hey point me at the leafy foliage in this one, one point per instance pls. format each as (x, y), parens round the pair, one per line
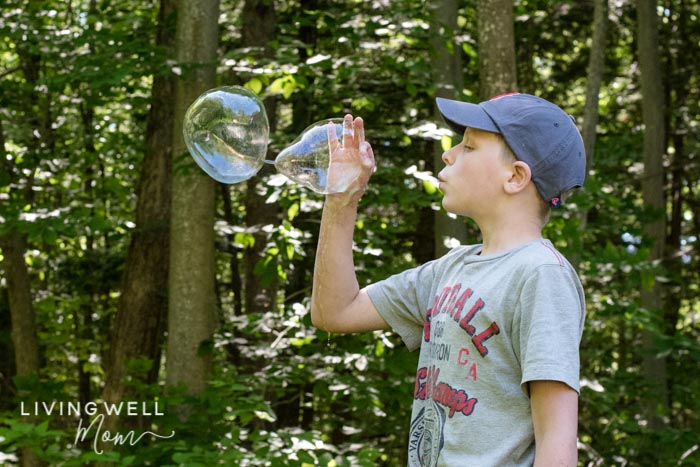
(76, 81)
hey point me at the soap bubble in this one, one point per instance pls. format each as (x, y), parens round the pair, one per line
(227, 132)
(310, 160)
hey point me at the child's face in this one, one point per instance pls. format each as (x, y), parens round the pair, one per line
(474, 174)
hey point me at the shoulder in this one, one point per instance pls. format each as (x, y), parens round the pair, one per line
(548, 275)
(540, 253)
(540, 265)
(460, 253)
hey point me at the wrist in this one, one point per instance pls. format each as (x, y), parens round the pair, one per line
(342, 202)
(338, 210)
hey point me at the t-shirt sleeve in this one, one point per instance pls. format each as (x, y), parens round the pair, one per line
(552, 313)
(401, 299)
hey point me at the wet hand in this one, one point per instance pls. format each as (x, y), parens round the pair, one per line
(352, 162)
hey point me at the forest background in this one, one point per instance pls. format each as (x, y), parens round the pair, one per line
(102, 212)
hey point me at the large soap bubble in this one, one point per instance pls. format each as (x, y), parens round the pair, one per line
(316, 159)
(227, 132)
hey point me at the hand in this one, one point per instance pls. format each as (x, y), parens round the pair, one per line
(351, 164)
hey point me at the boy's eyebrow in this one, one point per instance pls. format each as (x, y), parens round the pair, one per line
(467, 136)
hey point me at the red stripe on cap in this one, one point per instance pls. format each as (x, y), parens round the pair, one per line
(504, 95)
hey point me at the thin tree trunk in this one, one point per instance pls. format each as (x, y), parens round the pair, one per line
(497, 72)
(14, 244)
(678, 75)
(654, 366)
(139, 325)
(259, 26)
(447, 73)
(234, 265)
(83, 316)
(426, 243)
(594, 79)
(259, 296)
(192, 295)
(24, 335)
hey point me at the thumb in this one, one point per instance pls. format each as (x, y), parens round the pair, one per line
(367, 156)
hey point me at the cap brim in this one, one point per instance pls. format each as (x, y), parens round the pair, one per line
(462, 115)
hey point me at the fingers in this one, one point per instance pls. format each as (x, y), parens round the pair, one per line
(353, 131)
(332, 137)
(354, 138)
(348, 131)
(365, 149)
(359, 131)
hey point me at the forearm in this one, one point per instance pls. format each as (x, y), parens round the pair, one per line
(556, 451)
(337, 303)
(335, 284)
(555, 420)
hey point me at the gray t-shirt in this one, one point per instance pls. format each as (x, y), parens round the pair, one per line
(485, 326)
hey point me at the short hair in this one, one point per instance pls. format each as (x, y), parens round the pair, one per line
(545, 210)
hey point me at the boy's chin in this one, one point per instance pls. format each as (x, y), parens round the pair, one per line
(451, 208)
(456, 209)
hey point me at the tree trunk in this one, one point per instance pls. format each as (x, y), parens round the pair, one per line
(528, 36)
(497, 72)
(654, 367)
(678, 75)
(139, 325)
(447, 73)
(14, 244)
(236, 284)
(192, 297)
(24, 335)
(426, 243)
(594, 79)
(258, 30)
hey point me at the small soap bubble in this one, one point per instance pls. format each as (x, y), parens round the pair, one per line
(310, 160)
(227, 132)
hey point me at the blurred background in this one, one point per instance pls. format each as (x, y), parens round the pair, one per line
(129, 275)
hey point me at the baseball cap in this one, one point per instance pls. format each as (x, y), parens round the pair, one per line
(538, 132)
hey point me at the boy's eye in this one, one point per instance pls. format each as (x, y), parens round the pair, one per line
(468, 148)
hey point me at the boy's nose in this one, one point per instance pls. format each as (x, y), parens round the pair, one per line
(446, 157)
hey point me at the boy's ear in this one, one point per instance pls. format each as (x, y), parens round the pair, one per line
(520, 178)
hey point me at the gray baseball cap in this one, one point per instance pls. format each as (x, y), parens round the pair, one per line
(538, 132)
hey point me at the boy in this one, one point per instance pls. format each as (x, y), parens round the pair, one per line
(498, 324)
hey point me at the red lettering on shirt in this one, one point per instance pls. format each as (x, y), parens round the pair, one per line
(456, 312)
(451, 302)
(456, 400)
(453, 298)
(478, 340)
(464, 324)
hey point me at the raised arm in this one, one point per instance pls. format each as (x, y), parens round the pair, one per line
(337, 302)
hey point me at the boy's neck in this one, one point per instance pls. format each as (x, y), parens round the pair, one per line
(508, 233)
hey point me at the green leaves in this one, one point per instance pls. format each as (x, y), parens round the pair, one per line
(76, 82)
(284, 85)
